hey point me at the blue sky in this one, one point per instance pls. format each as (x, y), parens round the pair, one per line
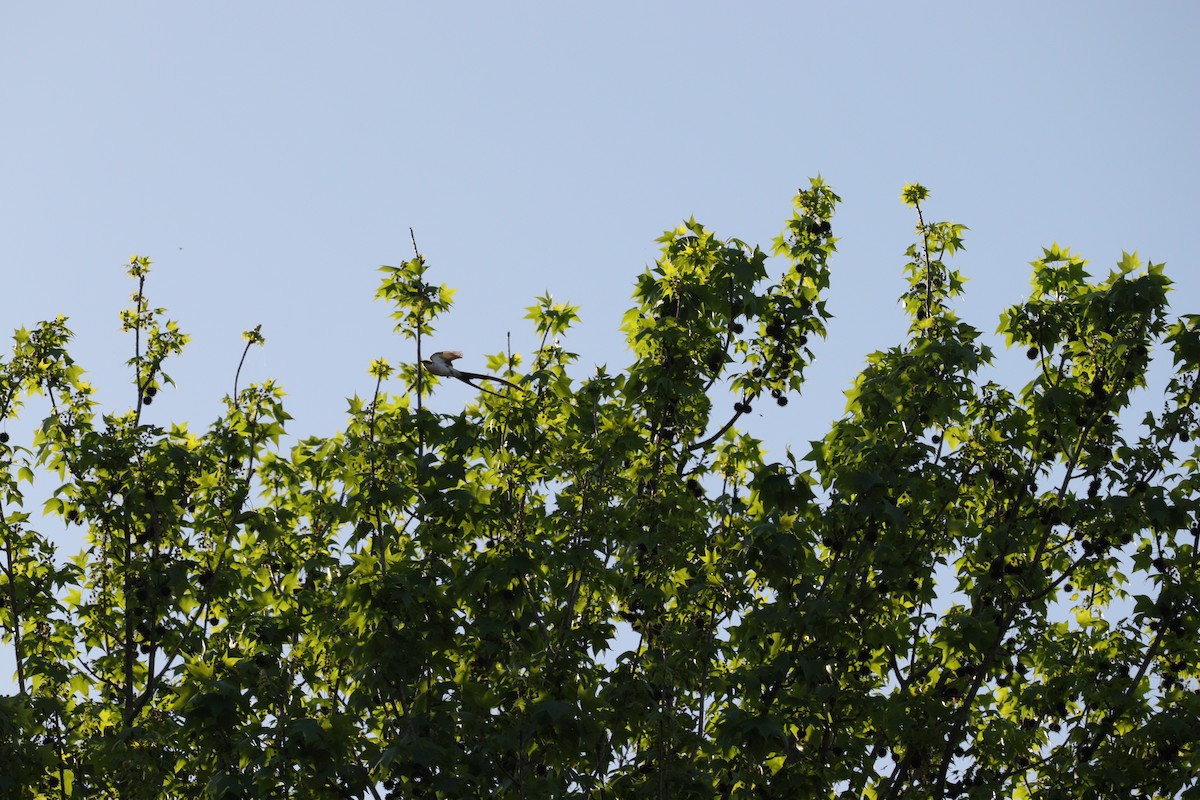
(268, 156)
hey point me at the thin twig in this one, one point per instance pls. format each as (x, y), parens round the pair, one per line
(137, 349)
(238, 374)
(420, 375)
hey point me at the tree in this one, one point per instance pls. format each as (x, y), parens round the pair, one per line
(603, 588)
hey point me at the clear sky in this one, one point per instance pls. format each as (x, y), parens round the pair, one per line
(268, 156)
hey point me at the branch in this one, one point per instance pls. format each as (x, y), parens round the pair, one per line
(252, 338)
(9, 573)
(720, 432)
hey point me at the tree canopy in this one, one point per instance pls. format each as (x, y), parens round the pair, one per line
(603, 588)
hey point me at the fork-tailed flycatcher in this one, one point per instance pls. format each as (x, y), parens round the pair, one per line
(441, 363)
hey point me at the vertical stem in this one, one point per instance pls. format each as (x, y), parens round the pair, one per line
(128, 643)
(137, 348)
(10, 574)
(238, 373)
(928, 265)
(379, 549)
(420, 369)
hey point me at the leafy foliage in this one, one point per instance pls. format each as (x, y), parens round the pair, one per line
(603, 588)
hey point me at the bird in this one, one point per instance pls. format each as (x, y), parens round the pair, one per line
(441, 363)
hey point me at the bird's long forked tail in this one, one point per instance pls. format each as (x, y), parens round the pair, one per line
(467, 377)
(477, 376)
